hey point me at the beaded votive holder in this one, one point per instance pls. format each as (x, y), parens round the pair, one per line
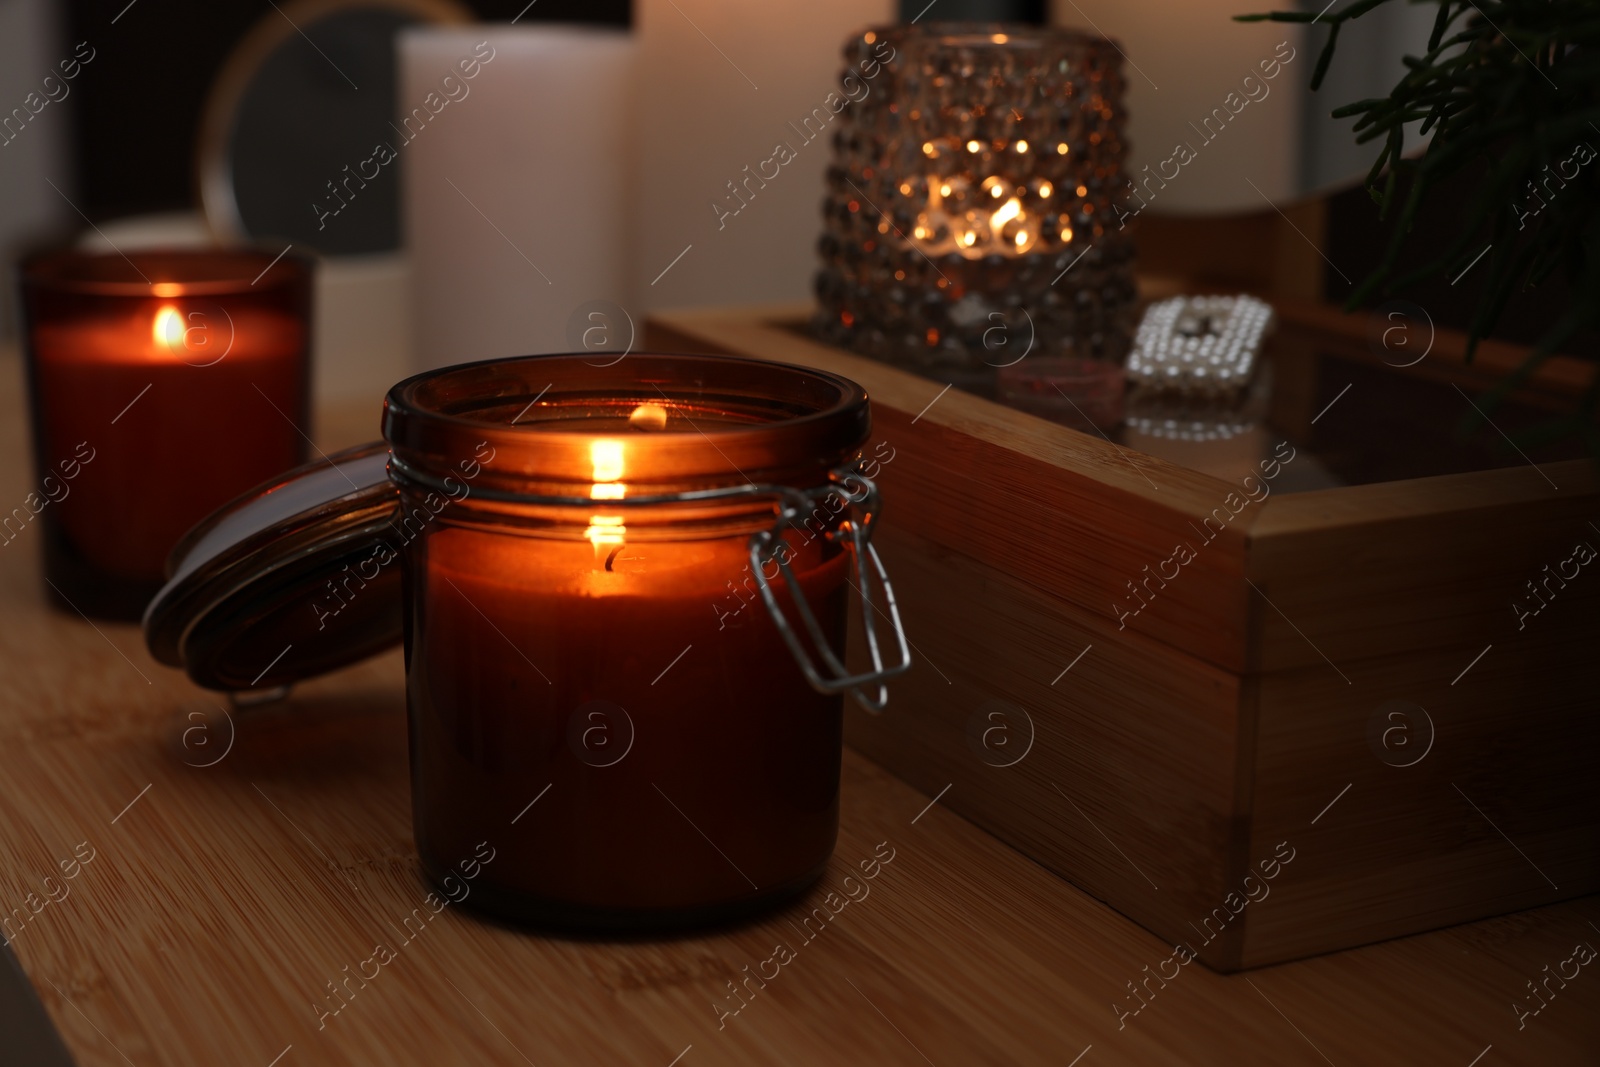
(971, 191)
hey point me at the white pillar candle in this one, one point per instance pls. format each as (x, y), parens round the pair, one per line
(514, 146)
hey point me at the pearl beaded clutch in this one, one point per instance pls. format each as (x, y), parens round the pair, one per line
(1200, 347)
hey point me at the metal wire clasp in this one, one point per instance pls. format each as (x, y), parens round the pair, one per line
(855, 534)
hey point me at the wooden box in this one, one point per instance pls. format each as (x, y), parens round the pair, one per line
(1335, 716)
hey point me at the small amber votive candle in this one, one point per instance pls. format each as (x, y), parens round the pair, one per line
(161, 385)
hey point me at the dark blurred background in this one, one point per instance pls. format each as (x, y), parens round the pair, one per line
(126, 137)
(139, 104)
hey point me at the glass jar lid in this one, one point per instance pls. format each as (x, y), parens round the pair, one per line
(291, 580)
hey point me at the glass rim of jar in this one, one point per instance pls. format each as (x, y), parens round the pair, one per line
(744, 421)
(236, 270)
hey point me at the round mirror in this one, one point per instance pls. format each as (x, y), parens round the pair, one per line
(297, 142)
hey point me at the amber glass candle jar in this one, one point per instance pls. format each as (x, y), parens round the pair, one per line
(161, 385)
(599, 696)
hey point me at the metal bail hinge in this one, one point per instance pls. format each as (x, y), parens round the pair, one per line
(855, 533)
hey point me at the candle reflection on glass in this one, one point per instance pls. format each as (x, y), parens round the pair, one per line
(175, 383)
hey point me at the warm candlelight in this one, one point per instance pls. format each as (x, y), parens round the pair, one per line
(186, 381)
(993, 216)
(168, 329)
(594, 682)
(974, 185)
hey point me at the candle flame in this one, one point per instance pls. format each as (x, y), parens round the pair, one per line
(951, 222)
(167, 330)
(650, 415)
(605, 530)
(606, 459)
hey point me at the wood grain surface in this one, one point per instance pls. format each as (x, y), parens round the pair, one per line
(219, 901)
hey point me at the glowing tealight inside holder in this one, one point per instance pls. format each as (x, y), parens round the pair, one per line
(970, 196)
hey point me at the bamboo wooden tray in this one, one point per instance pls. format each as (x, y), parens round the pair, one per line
(1259, 702)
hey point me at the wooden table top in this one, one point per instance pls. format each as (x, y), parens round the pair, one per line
(219, 901)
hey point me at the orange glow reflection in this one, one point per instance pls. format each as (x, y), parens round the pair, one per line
(607, 459)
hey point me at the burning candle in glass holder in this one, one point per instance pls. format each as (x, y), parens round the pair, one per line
(592, 617)
(624, 599)
(162, 384)
(973, 193)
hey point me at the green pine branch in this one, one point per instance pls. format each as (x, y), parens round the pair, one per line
(1506, 89)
